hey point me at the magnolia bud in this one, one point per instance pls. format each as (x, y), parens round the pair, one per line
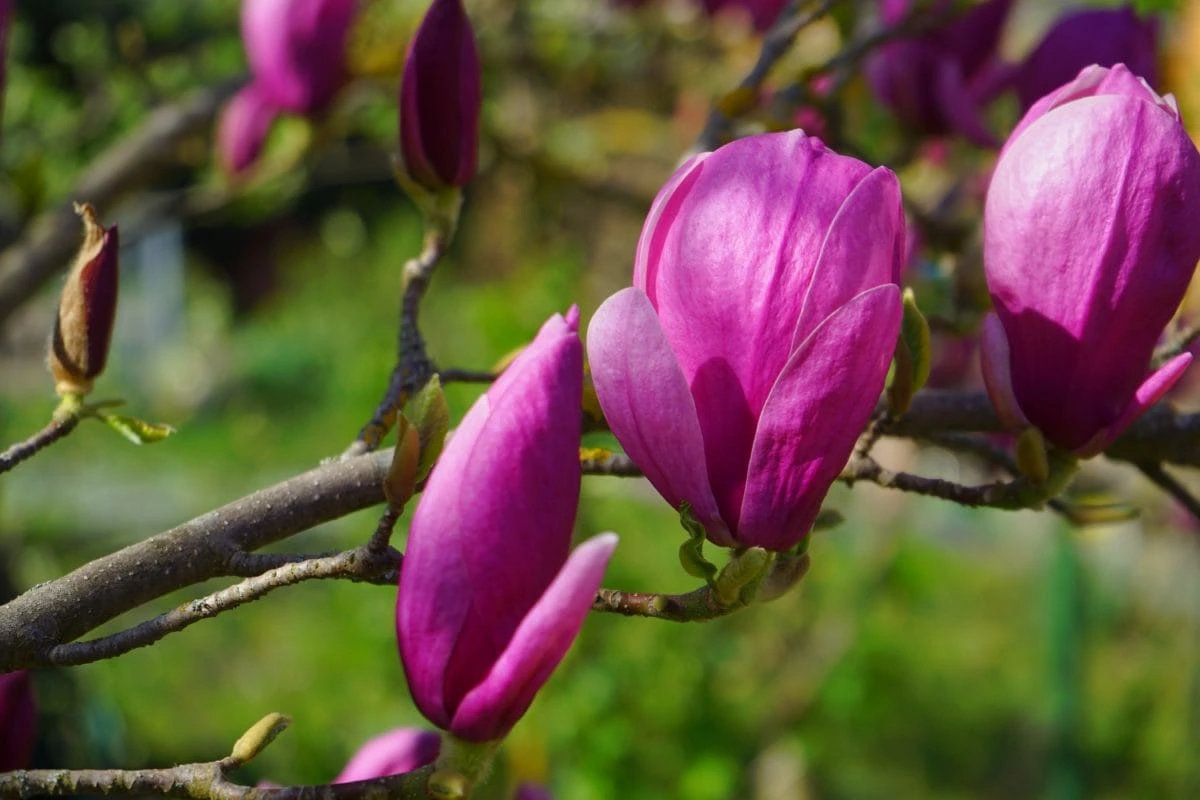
(440, 99)
(86, 310)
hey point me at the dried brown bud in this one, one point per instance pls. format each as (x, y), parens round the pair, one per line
(86, 310)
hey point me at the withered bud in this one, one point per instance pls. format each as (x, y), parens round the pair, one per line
(87, 309)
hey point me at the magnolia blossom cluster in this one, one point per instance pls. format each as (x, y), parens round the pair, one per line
(753, 346)
(942, 81)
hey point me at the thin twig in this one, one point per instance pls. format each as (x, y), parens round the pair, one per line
(133, 162)
(360, 564)
(598, 461)
(413, 368)
(210, 546)
(206, 781)
(776, 43)
(991, 453)
(57, 429)
(1013, 495)
(1167, 482)
(465, 376)
(383, 530)
(699, 605)
(1177, 343)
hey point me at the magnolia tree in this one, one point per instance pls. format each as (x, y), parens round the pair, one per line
(769, 339)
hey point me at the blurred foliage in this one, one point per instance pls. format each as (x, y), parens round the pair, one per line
(931, 652)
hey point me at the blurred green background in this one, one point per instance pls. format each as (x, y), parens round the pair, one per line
(932, 651)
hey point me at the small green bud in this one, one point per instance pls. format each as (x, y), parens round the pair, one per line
(739, 580)
(431, 416)
(401, 479)
(691, 552)
(912, 359)
(260, 734)
(1031, 456)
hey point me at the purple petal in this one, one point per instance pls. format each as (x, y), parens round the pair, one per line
(997, 374)
(864, 248)
(537, 646)
(440, 99)
(1150, 392)
(961, 106)
(296, 49)
(648, 405)
(392, 753)
(243, 128)
(816, 411)
(494, 523)
(740, 251)
(1090, 243)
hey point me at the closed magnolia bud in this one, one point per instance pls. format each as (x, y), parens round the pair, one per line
(491, 595)
(440, 99)
(1090, 241)
(86, 310)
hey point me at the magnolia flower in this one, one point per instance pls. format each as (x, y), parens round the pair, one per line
(297, 55)
(938, 82)
(741, 366)
(392, 753)
(87, 309)
(1090, 240)
(440, 99)
(490, 596)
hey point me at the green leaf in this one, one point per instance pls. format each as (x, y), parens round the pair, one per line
(136, 430)
(691, 552)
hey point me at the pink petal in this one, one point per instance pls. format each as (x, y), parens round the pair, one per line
(856, 255)
(392, 753)
(648, 405)
(1149, 393)
(815, 413)
(243, 128)
(997, 374)
(537, 646)
(494, 523)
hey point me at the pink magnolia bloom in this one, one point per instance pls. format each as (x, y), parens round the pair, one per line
(490, 597)
(297, 55)
(440, 99)
(938, 83)
(243, 127)
(1103, 36)
(392, 753)
(741, 366)
(18, 720)
(1090, 240)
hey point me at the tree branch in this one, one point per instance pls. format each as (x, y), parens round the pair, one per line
(1167, 482)
(206, 781)
(46, 245)
(209, 546)
(359, 564)
(413, 366)
(775, 45)
(58, 428)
